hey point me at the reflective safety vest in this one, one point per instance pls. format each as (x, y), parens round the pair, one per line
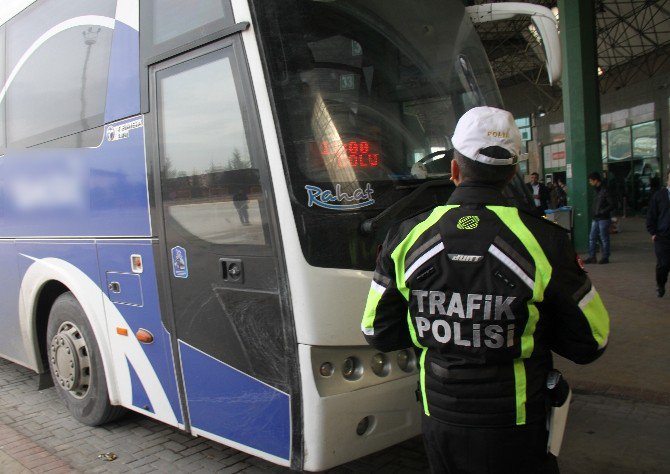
(484, 293)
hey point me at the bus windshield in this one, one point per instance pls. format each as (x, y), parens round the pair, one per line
(367, 94)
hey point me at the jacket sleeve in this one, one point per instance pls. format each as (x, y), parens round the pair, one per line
(607, 205)
(579, 326)
(385, 318)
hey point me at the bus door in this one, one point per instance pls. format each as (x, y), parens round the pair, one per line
(215, 207)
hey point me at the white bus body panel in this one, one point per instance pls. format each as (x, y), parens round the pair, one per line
(330, 423)
(328, 306)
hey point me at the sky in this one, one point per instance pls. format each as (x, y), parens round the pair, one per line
(9, 8)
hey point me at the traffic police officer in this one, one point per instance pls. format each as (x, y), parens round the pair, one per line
(484, 292)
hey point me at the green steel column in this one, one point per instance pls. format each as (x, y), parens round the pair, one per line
(581, 109)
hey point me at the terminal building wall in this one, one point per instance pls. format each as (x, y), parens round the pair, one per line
(635, 157)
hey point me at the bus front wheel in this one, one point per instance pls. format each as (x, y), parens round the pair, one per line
(76, 365)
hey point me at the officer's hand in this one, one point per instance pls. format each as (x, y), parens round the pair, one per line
(653, 238)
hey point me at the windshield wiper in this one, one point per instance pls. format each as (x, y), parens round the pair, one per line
(368, 226)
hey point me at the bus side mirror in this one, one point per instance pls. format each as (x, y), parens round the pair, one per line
(543, 19)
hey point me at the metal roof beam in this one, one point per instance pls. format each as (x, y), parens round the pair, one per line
(635, 28)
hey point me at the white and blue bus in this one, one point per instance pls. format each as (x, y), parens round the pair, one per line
(192, 194)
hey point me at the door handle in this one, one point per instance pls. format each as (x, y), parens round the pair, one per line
(232, 270)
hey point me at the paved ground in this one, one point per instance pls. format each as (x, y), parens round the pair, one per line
(619, 421)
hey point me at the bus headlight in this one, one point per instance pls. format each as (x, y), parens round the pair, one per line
(379, 364)
(363, 426)
(406, 360)
(352, 369)
(326, 369)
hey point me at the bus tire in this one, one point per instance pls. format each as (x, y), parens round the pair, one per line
(76, 364)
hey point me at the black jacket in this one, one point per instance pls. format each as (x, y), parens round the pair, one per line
(602, 204)
(485, 292)
(658, 214)
(543, 195)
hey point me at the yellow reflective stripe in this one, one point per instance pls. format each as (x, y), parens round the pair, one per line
(520, 386)
(597, 317)
(398, 256)
(400, 252)
(510, 217)
(368, 323)
(422, 381)
(527, 340)
(412, 332)
(422, 367)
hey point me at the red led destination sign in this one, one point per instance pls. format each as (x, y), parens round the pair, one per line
(354, 153)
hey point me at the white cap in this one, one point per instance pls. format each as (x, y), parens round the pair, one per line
(483, 127)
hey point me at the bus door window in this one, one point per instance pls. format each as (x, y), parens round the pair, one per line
(211, 187)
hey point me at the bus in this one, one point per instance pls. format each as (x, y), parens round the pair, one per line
(192, 195)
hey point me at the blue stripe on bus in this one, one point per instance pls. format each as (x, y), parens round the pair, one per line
(140, 397)
(228, 403)
(84, 192)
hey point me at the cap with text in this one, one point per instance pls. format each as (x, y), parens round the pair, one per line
(483, 127)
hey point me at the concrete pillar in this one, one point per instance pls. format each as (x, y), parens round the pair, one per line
(581, 109)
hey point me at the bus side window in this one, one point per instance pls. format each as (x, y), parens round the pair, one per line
(52, 94)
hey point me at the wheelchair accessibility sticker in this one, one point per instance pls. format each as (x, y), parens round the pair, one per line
(121, 132)
(179, 262)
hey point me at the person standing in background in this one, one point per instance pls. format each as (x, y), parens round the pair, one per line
(602, 219)
(658, 225)
(552, 195)
(241, 203)
(561, 194)
(540, 193)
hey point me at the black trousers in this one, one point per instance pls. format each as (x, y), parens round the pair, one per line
(662, 249)
(515, 450)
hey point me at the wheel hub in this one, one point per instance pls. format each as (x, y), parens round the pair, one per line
(70, 361)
